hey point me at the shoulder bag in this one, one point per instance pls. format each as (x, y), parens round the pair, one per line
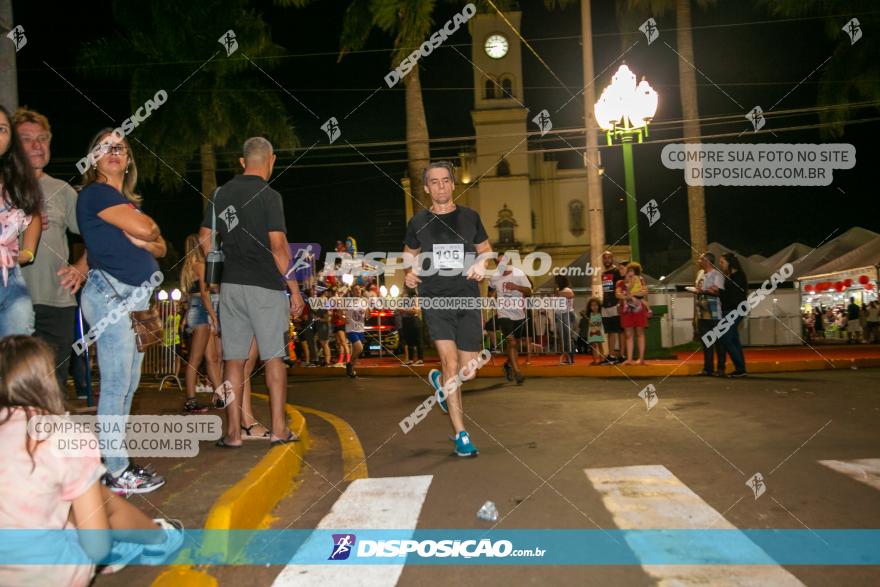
(147, 324)
(215, 257)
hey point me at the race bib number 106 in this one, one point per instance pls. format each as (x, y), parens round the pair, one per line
(449, 256)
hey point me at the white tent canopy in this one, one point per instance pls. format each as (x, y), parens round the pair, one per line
(788, 254)
(834, 250)
(686, 273)
(865, 256)
(582, 282)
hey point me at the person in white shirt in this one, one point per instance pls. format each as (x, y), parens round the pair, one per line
(354, 329)
(873, 322)
(709, 312)
(51, 281)
(511, 287)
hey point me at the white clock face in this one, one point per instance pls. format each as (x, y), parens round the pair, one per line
(496, 46)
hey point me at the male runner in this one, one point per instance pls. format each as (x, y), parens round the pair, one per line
(354, 330)
(452, 236)
(511, 284)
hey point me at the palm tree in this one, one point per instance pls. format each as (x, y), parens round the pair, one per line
(595, 204)
(852, 73)
(8, 77)
(409, 23)
(688, 93)
(206, 108)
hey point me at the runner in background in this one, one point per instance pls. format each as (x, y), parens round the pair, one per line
(512, 285)
(343, 349)
(354, 330)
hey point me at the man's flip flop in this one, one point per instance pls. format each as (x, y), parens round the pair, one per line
(291, 437)
(223, 444)
(436, 379)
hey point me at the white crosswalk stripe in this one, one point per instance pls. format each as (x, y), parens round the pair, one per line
(641, 497)
(865, 471)
(651, 497)
(368, 504)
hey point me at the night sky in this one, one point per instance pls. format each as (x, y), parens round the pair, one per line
(331, 193)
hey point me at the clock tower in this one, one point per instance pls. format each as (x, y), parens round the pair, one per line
(499, 118)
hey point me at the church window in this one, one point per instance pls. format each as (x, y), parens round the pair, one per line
(576, 217)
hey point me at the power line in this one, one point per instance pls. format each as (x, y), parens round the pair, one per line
(459, 141)
(451, 45)
(251, 89)
(572, 148)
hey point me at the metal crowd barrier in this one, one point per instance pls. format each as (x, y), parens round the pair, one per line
(162, 361)
(80, 331)
(544, 333)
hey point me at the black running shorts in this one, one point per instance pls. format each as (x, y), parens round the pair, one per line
(464, 327)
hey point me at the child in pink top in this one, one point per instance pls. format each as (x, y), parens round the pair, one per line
(45, 488)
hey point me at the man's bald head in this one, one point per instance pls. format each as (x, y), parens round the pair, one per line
(257, 149)
(258, 157)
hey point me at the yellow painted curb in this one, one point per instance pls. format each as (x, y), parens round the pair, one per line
(247, 504)
(608, 371)
(184, 576)
(354, 463)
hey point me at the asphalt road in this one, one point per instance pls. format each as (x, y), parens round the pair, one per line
(543, 446)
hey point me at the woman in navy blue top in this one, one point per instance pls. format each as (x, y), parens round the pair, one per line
(123, 244)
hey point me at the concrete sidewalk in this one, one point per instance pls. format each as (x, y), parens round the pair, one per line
(758, 360)
(196, 486)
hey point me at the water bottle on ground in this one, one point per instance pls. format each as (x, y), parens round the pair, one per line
(488, 512)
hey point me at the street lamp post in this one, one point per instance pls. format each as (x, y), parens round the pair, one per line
(623, 111)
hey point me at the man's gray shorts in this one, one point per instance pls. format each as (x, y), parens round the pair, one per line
(247, 311)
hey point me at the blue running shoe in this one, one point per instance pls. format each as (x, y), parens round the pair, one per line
(162, 553)
(120, 555)
(436, 379)
(463, 445)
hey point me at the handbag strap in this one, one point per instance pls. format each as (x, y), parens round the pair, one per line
(214, 218)
(116, 295)
(110, 283)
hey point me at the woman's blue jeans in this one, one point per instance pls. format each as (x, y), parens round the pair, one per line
(731, 345)
(119, 361)
(16, 309)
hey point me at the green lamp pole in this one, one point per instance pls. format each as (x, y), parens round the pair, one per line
(624, 110)
(626, 136)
